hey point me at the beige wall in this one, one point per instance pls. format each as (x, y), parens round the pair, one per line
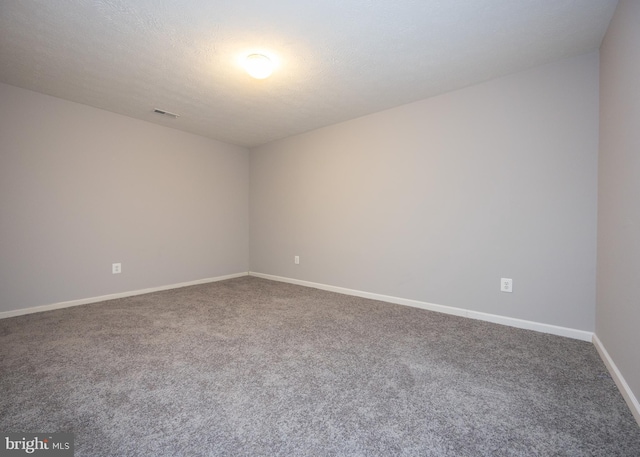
(437, 200)
(618, 287)
(81, 188)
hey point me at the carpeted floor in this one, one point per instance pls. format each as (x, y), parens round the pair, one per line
(249, 367)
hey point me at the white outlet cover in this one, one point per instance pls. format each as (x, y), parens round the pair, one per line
(116, 268)
(506, 285)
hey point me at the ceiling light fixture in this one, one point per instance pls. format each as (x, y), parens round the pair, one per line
(258, 66)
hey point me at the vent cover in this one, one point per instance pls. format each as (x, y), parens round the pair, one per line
(166, 113)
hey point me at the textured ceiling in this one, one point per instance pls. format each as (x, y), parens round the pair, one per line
(337, 59)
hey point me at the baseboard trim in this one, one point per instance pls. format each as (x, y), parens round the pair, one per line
(86, 301)
(623, 387)
(494, 318)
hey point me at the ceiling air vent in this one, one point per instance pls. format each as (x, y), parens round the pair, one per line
(166, 113)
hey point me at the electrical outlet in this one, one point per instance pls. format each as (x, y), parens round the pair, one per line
(506, 285)
(116, 268)
(296, 260)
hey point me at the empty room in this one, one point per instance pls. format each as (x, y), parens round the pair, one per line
(341, 228)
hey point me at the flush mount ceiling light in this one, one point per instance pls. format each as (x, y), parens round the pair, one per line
(258, 66)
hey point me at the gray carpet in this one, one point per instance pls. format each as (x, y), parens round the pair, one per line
(249, 367)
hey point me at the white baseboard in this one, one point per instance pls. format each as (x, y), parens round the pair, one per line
(86, 301)
(494, 318)
(623, 387)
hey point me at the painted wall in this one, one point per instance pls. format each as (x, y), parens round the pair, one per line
(81, 188)
(437, 200)
(618, 286)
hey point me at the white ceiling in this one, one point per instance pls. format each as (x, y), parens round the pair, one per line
(338, 59)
